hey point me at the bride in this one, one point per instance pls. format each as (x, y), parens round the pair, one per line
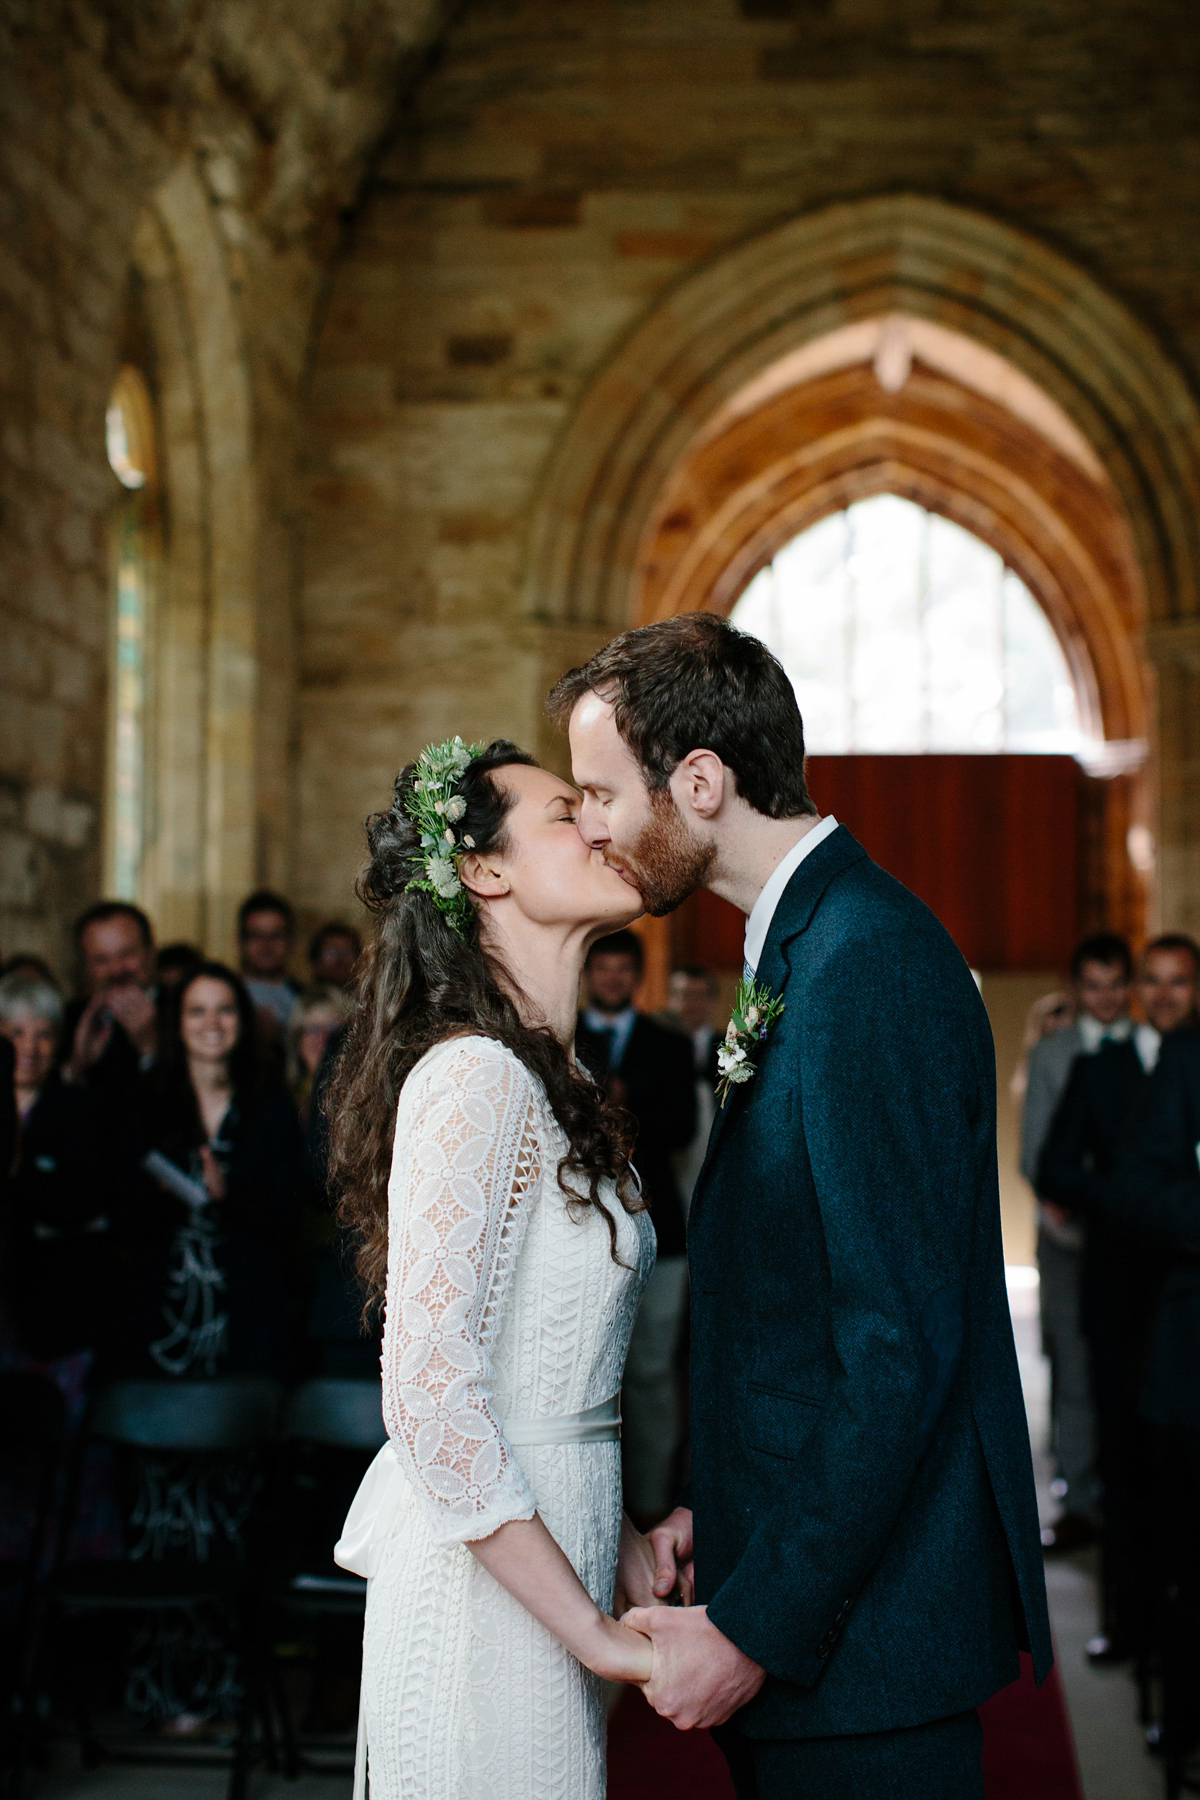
(499, 1221)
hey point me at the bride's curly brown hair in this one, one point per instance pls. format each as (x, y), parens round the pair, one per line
(423, 983)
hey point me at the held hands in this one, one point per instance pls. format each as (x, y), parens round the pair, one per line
(698, 1678)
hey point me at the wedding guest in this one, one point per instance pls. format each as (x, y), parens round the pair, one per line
(111, 1031)
(1121, 1273)
(1048, 1014)
(648, 1069)
(320, 1011)
(1101, 970)
(175, 963)
(26, 963)
(266, 940)
(693, 998)
(1156, 1194)
(333, 953)
(63, 1195)
(212, 1295)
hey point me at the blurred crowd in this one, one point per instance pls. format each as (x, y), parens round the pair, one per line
(1110, 1082)
(165, 1211)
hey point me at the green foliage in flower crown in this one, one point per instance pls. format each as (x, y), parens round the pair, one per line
(435, 809)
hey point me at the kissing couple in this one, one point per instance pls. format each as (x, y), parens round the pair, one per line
(856, 1562)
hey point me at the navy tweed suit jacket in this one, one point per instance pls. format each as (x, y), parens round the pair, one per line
(865, 1520)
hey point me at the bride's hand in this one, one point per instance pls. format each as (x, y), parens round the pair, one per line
(636, 1568)
(619, 1654)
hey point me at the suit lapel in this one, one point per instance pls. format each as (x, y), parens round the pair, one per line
(797, 904)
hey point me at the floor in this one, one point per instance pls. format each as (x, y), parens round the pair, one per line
(1112, 1758)
(1113, 1763)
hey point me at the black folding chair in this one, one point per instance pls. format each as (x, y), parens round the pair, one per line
(33, 1440)
(193, 1462)
(333, 1428)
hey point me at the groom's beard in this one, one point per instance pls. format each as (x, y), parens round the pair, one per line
(668, 863)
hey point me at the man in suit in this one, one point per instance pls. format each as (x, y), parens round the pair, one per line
(1120, 1275)
(861, 1514)
(1156, 1194)
(647, 1068)
(111, 1031)
(1101, 969)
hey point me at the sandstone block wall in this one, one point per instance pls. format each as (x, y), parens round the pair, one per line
(564, 168)
(429, 228)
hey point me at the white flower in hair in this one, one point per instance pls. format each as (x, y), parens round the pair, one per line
(443, 876)
(435, 808)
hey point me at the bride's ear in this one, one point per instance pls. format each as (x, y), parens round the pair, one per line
(483, 876)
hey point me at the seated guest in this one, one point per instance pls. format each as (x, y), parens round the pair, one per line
(333, 955)
(320, 1011)
(223, 1204)
(111, 1031)
(266, 939)
(1120, 1276)
(647, 1068)
(63, 1193)
(175, 962)
(1156, 1194)
(1101, 970)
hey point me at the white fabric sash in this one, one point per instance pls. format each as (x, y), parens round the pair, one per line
(384, 1487)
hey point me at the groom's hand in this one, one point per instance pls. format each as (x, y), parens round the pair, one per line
(699, 1677)
(672, 1545)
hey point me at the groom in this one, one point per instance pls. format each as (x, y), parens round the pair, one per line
(861, 1512)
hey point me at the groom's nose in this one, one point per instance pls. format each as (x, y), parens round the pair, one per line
(592, 827)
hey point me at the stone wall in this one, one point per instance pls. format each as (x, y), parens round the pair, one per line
(277, 111)
(410, 238)
(565, 170)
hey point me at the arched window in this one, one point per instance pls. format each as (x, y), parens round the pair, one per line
(902, 632)
(130, 440)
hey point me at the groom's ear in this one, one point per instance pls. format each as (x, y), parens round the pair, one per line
(700, 784)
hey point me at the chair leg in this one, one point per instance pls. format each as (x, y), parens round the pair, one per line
(277, 1698)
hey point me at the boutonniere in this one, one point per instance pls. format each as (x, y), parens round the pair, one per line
(755, 1011)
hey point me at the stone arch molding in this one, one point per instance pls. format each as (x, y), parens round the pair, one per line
(786, 287)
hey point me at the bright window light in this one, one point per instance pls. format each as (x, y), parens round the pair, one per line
(902, 632)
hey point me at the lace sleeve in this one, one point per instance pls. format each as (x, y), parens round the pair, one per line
(464, 1164)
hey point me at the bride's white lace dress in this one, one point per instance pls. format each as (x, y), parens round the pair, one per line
(507, 1319)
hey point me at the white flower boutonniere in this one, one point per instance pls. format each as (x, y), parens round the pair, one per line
(755, 1010)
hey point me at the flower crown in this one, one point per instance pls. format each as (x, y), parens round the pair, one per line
(435, 808)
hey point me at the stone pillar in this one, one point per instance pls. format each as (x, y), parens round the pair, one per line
(1174, 650)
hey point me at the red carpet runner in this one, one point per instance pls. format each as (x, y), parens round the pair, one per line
(1027, 1750)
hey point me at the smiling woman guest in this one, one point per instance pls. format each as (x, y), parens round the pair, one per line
(211, 1296)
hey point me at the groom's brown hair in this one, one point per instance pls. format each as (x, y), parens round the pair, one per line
(696, 683)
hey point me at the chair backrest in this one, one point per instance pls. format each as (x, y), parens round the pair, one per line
(343, 1414)
(228, 1414)
(33, 1411)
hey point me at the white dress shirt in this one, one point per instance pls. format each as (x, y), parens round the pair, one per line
(759, 922)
